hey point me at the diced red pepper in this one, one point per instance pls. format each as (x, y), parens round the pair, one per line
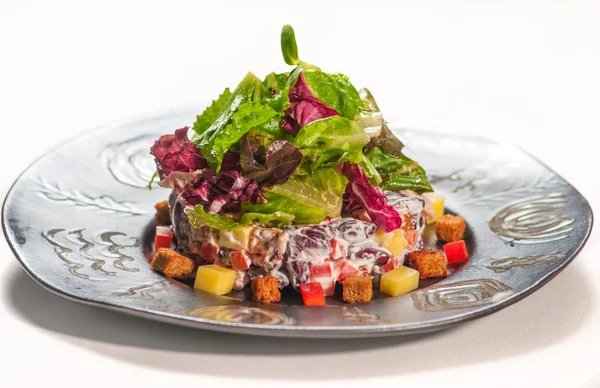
(411, 238)
(328, 285)
(337, 250)
(312, 294)
(240, 261)
(456, 251)
(209, 252)
(321, 270)
(390, 265)
(344, 269)
(163, 237)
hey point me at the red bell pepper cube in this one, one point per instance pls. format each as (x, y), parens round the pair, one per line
(240, 261)
(321, 270)
(209, 252)
(390, 265)
(411, 238)
(337, 250)
(163, 237)
(312, 294)
(344, 269)
(456, 251)
(328, 285)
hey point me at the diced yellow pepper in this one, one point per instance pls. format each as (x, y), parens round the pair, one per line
(395, 242)
(237, 239)
(438, 205)
(214, 279)
(399, 281)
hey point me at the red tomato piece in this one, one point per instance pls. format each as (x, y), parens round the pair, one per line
(163, 237)
(240, 261)
(456, 251)
(312, 294)
(344, 269)
(321, 270)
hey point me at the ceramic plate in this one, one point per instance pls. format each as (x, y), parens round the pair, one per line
(80, 221)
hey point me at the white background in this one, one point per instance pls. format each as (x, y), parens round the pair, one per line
(526, 72)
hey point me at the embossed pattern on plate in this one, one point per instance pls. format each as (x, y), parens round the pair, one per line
(525, 223)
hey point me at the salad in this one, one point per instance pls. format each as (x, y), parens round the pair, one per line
(295, 180)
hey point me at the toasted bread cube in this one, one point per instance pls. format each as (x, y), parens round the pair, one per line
(430, 263)
(163, 215)
(265, 290)
(450, 228)
(399, 281)
(172, 264)
(357, 289)
(214, 279)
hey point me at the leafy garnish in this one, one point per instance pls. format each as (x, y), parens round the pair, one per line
(289, 48)
(250, 89)
(331, 141)
(152, 179)
(361, 194)
(304, 107)
(268, 165)
(399, 173)
(199, 218)
(222, 193)
(205, 120)
(176, 153)
(309, 198)
(335, 91)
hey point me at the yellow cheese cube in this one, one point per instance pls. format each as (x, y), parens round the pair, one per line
(236, 239)
(438, 205)
(399, 281)
(395, 242)
(214, 279)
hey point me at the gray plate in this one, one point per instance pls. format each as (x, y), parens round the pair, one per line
(80, 221)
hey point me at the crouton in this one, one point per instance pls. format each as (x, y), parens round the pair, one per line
(450, 228)
(172, 264)
(265, 290)
(430, 263)
(162, 216)
(357, 289)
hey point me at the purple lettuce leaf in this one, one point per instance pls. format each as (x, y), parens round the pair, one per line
(304, 107)
(273, 166)
(222, 193)
(361, 194)
(175, 153)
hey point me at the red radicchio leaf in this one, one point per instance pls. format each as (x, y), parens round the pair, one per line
(176, 153)
(304, 108)
(361, 194)
(231, 161)
(223, 193)
(271, 167)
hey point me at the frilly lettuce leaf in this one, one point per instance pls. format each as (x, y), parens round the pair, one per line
(309, 198)
(205, 120)
(250, 91)
(335, 91)
(198, 218)
(399, 173)
(331, 141)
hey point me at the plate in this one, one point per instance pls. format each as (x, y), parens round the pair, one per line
(80, 221)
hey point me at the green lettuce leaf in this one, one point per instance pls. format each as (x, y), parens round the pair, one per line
(309, 198)
(335, 91)
(198, 218)
(250, 89)
(399, 173)
(331, 141)
(205, 120)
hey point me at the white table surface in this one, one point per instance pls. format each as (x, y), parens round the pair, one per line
(526, 72)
